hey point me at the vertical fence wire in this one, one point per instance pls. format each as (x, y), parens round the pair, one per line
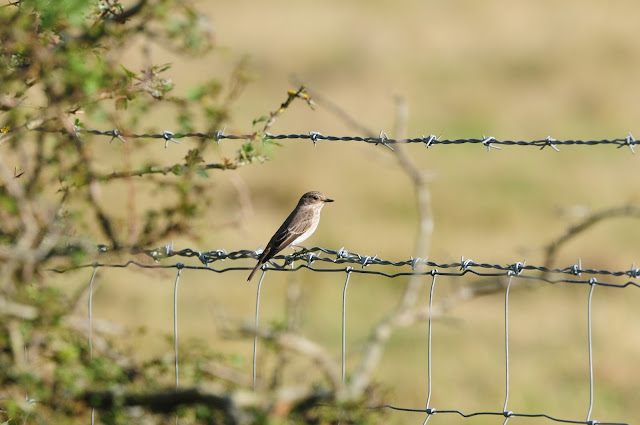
(590, 350)
(90, 311)
(344, 321)
(255, 337)
(429, 410)
(507, 414)
(175, 328)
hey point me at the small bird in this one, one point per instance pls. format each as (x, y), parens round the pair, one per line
(300, 224)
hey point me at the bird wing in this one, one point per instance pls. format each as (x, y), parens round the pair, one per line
(290, 231)
(286, 234)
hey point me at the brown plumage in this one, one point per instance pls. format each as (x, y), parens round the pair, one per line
(300, 224)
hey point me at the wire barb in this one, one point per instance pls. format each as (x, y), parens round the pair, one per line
(487, 142)
(576, 269)
(219, 135)
(384, 139)
(631, 142)
(314, 135)
(465, 264)
(518, 267)
(168, 136)
(429, 140)
(550, 141)
(116, 133)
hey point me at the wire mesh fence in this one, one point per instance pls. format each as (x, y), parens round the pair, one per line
(344, 264)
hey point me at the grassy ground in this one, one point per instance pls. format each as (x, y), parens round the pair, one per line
(511, 70)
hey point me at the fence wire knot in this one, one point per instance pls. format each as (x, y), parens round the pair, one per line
(630, 141)
(203, 259)
(219, 135)
(550, 141)
(487, 142)
(314, 135)
(415, 261)
(634, 272)
(116, 133)
(430, 411)
(384, 139)
(518, 267)
(464, 264)
(428, 140)
(507, 414)
(576, 269)
(367, 259)
(168, 136)
(342, 253)
(311, 257)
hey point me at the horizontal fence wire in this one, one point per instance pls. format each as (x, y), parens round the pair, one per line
(314, 136)
(366, 265)
(358, 263)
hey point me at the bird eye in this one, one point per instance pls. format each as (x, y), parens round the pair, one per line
(315, 197)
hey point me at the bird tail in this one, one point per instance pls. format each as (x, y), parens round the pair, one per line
(255, 269)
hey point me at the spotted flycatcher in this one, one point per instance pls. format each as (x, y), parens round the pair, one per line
(300, 224)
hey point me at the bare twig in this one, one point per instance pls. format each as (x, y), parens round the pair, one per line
(382, 331)
(238, 407)
(306, 347)
(589, 221)
(12, 308)
(423, 201)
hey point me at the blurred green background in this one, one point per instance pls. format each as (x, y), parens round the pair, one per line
(509, 69)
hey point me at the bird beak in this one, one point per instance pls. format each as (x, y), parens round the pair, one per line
(328, 200)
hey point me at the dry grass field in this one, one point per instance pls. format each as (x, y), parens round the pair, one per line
(509, 69)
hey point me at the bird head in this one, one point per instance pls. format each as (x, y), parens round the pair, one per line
(314, 198)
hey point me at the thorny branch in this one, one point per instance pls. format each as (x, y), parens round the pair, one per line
(291, 96)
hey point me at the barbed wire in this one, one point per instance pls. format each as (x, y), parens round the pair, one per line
(489, 142)
(307, 257)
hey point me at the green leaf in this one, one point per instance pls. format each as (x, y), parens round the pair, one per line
(177, 170)
(196, 93)
(193, 158)
(201, 172)
(261, 119)
(129, 73)
(164, 67)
